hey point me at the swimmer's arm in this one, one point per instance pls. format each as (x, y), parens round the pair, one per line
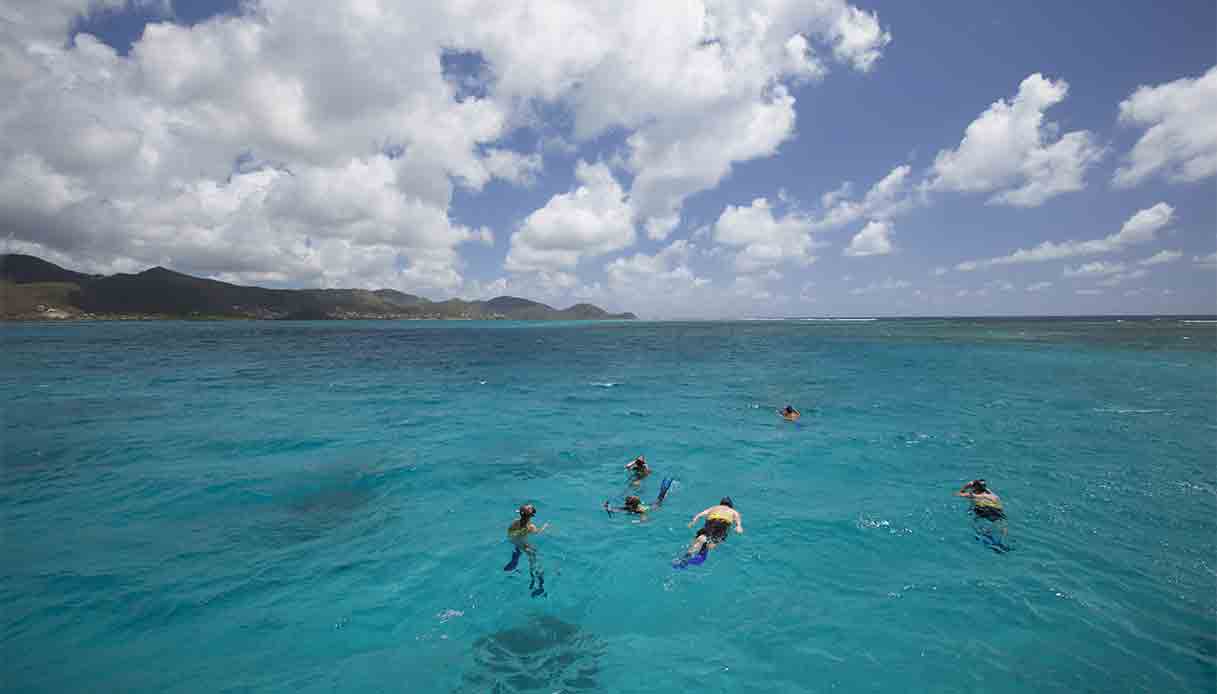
(739, 523)
(698, 516)
(535, 530)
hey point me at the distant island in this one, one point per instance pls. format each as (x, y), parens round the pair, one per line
(34, 289)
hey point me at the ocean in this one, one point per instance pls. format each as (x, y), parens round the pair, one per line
(321, 507)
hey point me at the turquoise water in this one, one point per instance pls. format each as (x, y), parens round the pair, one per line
(321, 506)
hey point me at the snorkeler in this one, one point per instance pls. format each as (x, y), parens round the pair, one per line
(986, 506)
(518, 533)
(638, 469)
(719, 519)
(790, 413)
(634, 505)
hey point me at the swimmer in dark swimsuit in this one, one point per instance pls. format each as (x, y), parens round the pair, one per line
(985, 506)
(719, 519)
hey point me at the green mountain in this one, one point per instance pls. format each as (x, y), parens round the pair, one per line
(32, 288)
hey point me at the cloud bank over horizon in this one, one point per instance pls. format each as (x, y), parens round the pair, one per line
(656, 157)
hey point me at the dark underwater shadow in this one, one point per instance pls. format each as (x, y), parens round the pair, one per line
(544, 655)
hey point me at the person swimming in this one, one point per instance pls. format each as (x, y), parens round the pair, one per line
(719, 519)
(790, 413)
(986, 506)
(638, 470)
(634, 505)
(518, 533)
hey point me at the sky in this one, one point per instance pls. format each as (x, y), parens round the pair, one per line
(675, 159)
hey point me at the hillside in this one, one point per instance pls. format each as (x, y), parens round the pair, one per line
(32, 288)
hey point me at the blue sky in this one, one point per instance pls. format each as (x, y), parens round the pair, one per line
(679, 161)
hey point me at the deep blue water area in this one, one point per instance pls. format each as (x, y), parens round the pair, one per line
(321, 507)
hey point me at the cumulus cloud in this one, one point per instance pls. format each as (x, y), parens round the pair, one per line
(1161, 257)
(244, 126)
(763, 240)
(1011, 152)
(593, 219)
(872, 240)
(1180, 138)
(661, 284)
(699, 88)
(891, 196)
(1142, 227)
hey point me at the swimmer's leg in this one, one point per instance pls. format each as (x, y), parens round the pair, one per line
(536, 575)
(515, 560)
(700, 546)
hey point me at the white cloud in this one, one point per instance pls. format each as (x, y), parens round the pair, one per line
(1038, 286)
(660, 284)
(697, 88)
(1180, 139)
(593, 219)
(1008, 151)
(1142, 227)
(1121, 278)
(1161, 257)
(886, 285)
(1095, 269)
(1206, 261)
(764, 241)
(891, 196)
(512, 166)
(940, 271)
(872, 240)
(99, 150)
(1088, 292)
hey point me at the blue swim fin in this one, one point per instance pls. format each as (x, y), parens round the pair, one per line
(515, 559)
(694, 560)
(663, 490)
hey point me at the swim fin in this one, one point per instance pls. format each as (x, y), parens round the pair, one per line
(692, 560)
(663, 490)
(515, 559)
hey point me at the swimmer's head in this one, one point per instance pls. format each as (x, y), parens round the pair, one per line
(528, 511)
(726, 501)
(979, 486)
(632, 502)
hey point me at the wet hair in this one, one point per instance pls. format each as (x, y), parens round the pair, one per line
(632, 501)
(528, 511)
(979, 486)
(726, 501)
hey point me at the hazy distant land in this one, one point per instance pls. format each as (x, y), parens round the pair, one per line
(34, 289)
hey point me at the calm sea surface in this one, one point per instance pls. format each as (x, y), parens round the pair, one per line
(321, 507)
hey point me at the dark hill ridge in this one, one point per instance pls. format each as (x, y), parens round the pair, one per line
(34, 288)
